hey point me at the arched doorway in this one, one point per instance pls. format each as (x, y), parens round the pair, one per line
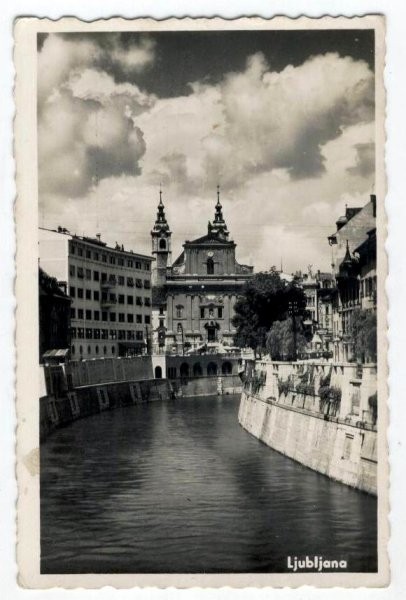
(197, 370)
(158, 372)
(211, 369)
(184, 370)
(226, 368)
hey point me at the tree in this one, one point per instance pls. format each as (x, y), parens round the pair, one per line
(364, 335)
(264, 299)
(280, 340)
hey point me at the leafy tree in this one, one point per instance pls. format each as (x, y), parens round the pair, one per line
(265, 298)
(280, 339)
(363, 330)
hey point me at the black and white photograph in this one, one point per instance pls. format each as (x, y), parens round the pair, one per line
(208, 252)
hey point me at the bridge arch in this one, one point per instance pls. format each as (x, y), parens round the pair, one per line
(212, 368)
(197, 370)
(226, 368)
(184, 370)
(158, 372)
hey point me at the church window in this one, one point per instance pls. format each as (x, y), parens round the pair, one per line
(210, 266)
(162, 244)
(211, 313)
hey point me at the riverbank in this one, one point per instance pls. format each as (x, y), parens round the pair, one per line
(285, 407)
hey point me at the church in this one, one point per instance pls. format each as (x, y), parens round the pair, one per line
(193, 297)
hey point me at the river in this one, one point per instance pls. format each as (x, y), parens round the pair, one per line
(180, 487)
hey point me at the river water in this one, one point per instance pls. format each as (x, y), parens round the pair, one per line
(180, 487)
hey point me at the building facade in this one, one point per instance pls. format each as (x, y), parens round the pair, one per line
(194, 297)
(354, 245)
(110, 291)
(54, 316)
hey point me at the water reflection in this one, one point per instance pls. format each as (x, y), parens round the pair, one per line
(181, 487)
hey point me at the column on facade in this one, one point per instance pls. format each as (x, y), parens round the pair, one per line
(189, 312)
(227, 314)
(169, 314)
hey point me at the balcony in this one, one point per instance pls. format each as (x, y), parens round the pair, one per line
(108, 302)
(108, 283)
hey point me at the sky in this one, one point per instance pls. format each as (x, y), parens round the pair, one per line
(283, 121)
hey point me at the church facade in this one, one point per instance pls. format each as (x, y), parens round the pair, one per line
(193, 298)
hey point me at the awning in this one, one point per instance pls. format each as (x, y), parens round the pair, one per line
(56, 353)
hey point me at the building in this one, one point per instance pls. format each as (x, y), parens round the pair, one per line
(110, 291)
(54, 318)
(194, 297)
(355, 274)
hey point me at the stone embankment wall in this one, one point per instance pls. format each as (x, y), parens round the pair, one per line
(61, 409)
(338, 440)
(207, 386)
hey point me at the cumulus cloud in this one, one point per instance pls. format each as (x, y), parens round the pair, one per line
(87, 127)
(289, 148)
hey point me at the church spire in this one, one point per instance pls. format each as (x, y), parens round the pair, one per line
(219, 226)
(160, 222)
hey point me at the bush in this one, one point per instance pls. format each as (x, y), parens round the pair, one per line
(330, 394)
(307, 389)
(284, 386)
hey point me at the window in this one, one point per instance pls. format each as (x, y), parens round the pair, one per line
(89, 333)
(96, 334)
(81, 333)
(96, 276)
(104, 277)
(147, 301)
(104, 349)
(130, 282)
(72, 291)
(95, 256)
(130, 335)
(73, 313)
(88, 314)
(88, 274)
(72, 270)
(73, 349)
(161, 323)
(88, 254)
(104, 258)
(120, 262)
(347, 446)
(121, 298)
(121, 317)
(146, 266)
(138, 283)
(130, 299)
(147, 319)
(88, 294)
(138, 318)
(138, 301)
(139, 335)
(202, 312)
(112, 317)
(80, 251)
(130, 263)
(96, 295)
(162, 244)
(113, 334)
(130, 318)
(147, 284)
(81, 349)
(80, 272)
(104, 334)
(73, 332)
(121, 280)
(138, 264)
(161, 310)
(80, 292)
(97, 349)
(80, 313)
(105, 315)
(121, 334)
(89, 351)
(210, 266)
(112, 260)
(179, 312)
(220, 312)
(96, 315)
(72, 249)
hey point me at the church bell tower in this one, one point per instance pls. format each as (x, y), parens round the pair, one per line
(161, 245)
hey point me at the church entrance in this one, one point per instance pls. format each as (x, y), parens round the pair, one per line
(211, 333)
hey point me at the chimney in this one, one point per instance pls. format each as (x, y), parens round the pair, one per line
(98, 236)
(373, 200)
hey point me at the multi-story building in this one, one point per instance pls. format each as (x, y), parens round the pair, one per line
(110, 290)
(354, 246)
(194, 298)
(54, 318)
